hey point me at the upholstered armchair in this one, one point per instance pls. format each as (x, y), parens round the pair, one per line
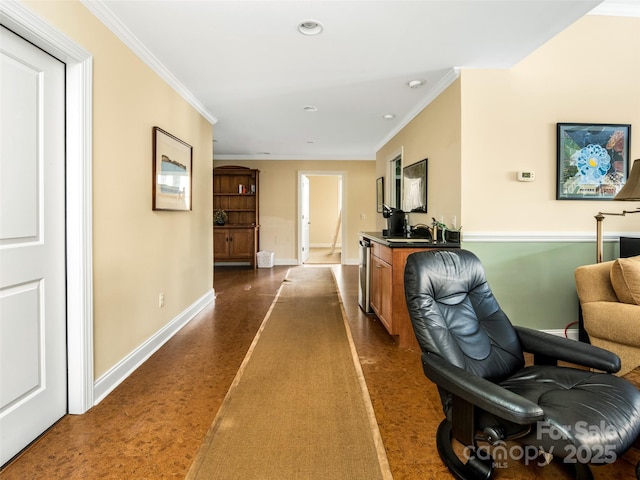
(609, 294)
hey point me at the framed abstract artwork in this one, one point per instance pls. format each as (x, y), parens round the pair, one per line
(593, 160)
(414, 187)
(172, 176)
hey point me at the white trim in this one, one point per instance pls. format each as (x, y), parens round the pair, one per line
(618, 8)
(113, 23)
(536, 237)
(343, 204)
(389, 174)
(433, 93)
(288, 262)
(119, 372)
(363, 158)
(399, 152)
(572, 333)
(79, 68)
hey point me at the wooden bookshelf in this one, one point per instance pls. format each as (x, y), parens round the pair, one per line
(235, 190)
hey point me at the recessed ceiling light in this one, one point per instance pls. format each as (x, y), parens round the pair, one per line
(310, 108)
(310, 27)
(389, 116)
(415, 83)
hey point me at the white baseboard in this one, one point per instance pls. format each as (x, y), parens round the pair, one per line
(292, 261)
(118, 373)
(286, 261)
(572, 333)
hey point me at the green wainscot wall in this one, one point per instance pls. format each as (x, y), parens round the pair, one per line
(534, 281)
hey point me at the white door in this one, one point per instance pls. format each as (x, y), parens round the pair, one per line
(33, 381)
(304, 217)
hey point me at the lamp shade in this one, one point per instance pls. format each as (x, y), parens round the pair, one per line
(631, 190)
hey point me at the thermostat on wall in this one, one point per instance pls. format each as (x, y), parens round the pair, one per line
(526, 176)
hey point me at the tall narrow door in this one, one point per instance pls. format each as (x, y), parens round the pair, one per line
(33, 382)
(304, 217)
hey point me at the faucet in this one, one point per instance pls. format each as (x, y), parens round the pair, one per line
(437, 228)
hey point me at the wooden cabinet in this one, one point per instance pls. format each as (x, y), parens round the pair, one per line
(234, 243)
(235, 190)
(380, 291)
(386, 290)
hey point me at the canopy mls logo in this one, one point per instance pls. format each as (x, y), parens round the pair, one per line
(501, 453)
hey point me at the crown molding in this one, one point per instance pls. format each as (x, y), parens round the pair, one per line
(433, 93)
(106, 16)
(618, 8)
(363, 158)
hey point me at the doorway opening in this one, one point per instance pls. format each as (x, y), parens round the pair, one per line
(321, 219)
(395, 185)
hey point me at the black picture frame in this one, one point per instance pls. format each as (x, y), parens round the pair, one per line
(592, 160)
(414, 187)
(379, 193)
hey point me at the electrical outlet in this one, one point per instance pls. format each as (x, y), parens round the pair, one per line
(161, 300)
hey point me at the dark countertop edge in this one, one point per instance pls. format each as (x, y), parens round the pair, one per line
(416, 243)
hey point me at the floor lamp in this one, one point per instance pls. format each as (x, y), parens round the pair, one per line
(629, 192)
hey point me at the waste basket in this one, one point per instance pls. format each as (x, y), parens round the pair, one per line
(266, 259)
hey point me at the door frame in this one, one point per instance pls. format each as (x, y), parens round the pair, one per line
(319, 173)
(79, 253)
(304, 209)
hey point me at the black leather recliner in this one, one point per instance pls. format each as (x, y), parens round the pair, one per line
(473, 353)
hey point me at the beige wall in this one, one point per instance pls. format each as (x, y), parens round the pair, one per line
(477, 134)
(137, 253)
(433, 134)
(279, 202)
(590, 73)
(324, 210)
(489, 124)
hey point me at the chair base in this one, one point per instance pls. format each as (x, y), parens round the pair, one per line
(581, 471)
(477, 469)
(473, 469)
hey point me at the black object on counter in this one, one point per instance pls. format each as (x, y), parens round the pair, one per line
(395, 220)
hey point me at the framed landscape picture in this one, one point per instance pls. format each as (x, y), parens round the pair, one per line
(593, 160)
(172, 163)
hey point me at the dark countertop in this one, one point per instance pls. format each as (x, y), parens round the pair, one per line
(406, 242)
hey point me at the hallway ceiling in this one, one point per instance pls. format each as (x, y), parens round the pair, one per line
(245, 66)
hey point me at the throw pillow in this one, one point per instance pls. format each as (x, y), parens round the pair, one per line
(625, 279)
